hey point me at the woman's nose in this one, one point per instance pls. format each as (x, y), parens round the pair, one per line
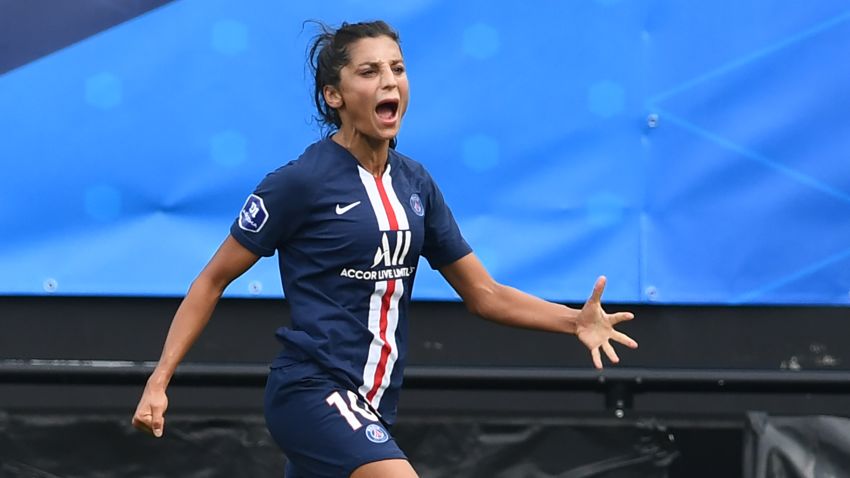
(388, 79)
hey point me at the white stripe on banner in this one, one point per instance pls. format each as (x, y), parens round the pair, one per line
(377, 343)
(375, 198)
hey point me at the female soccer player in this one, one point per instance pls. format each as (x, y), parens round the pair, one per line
(349, 219)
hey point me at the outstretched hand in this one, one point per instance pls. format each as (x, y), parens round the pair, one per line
(595, 327)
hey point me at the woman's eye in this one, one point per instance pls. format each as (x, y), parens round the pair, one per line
(398, 70)
(367, 72)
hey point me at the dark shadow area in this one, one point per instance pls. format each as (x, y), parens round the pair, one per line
(32, 29)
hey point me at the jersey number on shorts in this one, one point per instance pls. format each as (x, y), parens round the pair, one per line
(347, 409)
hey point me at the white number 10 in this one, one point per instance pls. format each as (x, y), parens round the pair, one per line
(347, 409)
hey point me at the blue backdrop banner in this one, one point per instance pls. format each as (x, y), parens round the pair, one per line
(692, 152)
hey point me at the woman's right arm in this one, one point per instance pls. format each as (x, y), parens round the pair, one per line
(229, 262)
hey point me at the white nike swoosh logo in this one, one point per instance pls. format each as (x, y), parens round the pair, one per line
(342, 210)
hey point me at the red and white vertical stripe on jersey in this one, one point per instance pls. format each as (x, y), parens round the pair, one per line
(383, 351)
(384, 201)
(383, 304)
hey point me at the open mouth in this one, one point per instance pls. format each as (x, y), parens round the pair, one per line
(387, 110)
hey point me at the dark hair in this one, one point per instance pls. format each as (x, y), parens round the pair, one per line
(329, 53)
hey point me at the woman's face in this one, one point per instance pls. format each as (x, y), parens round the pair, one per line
(373, 91)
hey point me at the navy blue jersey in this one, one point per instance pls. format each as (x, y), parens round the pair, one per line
(348, 245)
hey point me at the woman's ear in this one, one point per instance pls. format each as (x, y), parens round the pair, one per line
(332, 97)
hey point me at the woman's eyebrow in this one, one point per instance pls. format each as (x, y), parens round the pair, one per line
(376, 63)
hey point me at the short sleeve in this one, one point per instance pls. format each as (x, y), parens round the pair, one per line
(273, 212)
(444, 243)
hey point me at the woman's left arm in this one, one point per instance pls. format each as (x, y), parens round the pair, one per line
(487, 298)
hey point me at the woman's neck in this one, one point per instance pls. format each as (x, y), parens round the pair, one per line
(370, 153)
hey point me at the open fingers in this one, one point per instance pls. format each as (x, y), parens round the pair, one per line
(610, 352)
(620, 317)
(597, 359)
(624, 339)
(598, 288)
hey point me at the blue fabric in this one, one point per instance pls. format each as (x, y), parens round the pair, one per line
(315, 437)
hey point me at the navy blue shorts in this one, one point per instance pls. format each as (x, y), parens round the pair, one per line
(323, 429)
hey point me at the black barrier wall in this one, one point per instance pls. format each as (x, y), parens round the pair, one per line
(92, 445)
(508, 401)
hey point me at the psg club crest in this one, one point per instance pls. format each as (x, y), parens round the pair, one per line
(253, 216)
(416, 205)
(376, 434)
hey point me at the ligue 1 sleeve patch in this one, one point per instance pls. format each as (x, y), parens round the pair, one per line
(254, 215)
